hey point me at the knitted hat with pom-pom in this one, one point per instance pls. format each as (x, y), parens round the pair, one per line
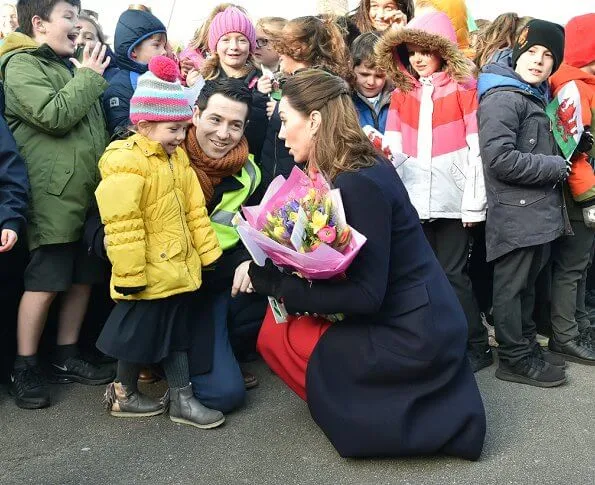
(159, 96)
(228, 21)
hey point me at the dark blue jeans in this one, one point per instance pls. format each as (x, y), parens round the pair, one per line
(223, 387)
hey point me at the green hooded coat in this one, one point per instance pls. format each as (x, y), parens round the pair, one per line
(57, 120)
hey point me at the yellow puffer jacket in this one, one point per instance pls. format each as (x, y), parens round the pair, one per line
(158, 230)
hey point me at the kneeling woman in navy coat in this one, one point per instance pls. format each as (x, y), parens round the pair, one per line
(392, 378)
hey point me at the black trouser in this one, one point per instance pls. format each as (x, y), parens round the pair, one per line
(570, 259)
(515, 275)
(450, 242)
(480, 271)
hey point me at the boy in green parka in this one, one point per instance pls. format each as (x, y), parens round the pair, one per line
(53, 109)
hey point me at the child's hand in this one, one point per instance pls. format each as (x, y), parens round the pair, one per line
(241, 280)
(186, 65)
(9, 238)
(271, 108)
(192, 76)
(95, 59)
(264, 85)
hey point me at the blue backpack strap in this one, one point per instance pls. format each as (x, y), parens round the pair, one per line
(134, 79)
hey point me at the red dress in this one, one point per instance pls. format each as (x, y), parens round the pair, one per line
(286, 347)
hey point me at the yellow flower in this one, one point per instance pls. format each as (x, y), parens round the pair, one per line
(293, 216)
(319, 220)
(279, 231)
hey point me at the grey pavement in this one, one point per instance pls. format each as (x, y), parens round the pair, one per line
(535, 436)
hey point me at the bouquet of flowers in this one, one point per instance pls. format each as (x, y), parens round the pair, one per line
(308, 222)
(300, 224)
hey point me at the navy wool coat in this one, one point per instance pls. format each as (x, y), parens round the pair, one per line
(392, 379)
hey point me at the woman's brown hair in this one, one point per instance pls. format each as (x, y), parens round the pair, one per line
(361, 14)
(271, 26)
(500, 34)
(340, 145)
(317, 42)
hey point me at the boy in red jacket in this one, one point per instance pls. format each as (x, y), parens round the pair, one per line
(571, 254)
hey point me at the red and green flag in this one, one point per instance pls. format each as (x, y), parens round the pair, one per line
(565, 114)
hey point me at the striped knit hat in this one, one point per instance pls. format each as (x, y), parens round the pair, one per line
(159, 96)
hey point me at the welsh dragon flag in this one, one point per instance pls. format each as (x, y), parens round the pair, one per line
(565, 114)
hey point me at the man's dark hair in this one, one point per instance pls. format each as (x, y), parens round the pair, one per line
(233, 89)
(27, 9)
(362, 50)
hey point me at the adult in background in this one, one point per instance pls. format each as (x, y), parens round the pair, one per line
(392, 379)
(304, 42)
(8, 20)
(379, 15)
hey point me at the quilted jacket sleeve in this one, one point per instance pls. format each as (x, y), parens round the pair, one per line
(119, 199)
(474, 204)
(197, 218)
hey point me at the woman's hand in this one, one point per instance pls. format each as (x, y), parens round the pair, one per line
(264, 85)
(271, 108)
(241, 280)
(470, 224)
(396, 19)
(266, 280)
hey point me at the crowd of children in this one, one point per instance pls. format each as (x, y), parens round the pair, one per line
(463, 114)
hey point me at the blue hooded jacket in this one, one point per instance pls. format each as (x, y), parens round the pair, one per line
(499, 73)
(134, 26)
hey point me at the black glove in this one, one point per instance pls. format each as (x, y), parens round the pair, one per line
(129, 290)
(266, 279)
(585, 144)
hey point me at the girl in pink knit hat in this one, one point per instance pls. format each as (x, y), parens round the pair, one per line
(232, 40)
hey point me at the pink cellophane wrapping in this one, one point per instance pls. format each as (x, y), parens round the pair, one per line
(322, 263)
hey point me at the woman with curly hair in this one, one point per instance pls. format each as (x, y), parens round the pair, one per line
(304, 42)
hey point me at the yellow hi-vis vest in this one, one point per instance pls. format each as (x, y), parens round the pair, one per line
(223, 213)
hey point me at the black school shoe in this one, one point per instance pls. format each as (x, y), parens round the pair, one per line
(532, 371)
(480, 358)
(549, 357)
(579, 350)
(29, 387)
(76, 369)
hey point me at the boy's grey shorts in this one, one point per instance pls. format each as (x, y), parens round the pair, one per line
(56, 267)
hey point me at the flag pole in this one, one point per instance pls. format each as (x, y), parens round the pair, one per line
(171, 13)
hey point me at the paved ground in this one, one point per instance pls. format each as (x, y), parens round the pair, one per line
(535, 436)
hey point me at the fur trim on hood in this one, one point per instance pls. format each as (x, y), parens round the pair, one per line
(433, 32)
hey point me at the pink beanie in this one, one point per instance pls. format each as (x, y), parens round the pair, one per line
(228, 21)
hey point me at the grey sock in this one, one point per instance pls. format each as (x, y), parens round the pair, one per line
(176, 370)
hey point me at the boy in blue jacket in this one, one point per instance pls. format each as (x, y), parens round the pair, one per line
(371, 90)
(139, 37)
(14, 186)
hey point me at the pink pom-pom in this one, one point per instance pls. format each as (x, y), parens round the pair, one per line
(164, 68)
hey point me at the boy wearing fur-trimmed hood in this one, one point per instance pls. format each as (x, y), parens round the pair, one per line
(432, 122)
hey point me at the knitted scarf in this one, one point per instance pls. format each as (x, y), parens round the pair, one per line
(211, 171)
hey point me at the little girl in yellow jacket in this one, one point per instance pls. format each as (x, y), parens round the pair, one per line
(158, 238)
